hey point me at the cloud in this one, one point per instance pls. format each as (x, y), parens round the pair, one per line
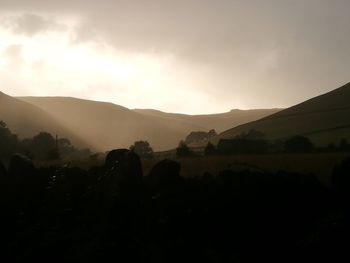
(205, 30)
(254, 53)
(32, 24)
(13, 56)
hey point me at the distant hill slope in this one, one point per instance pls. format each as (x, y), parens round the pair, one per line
(324, 119)
(27, 120)
(107, 125)
(220, 122)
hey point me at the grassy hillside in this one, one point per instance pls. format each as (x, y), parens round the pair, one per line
(27, 120)
(325, 119)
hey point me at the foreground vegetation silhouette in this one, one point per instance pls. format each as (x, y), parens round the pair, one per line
(115, 213)
(42, 147)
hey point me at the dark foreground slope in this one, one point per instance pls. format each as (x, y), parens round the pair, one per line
(27, 120)
(325, 119)
(115, 214)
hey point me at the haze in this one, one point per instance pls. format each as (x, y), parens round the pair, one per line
(177, 56)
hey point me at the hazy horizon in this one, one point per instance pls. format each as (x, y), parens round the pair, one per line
(193, 57)
(136, 108)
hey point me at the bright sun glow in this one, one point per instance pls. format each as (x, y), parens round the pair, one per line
(53, 64)
(2, 62)
(55, 59)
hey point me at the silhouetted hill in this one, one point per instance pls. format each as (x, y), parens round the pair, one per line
(324, 119)
(220, 122)
(26, 120)
(106, 125)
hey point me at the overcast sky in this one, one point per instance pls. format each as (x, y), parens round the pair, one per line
(191, 56)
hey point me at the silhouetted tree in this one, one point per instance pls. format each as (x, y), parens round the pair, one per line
(81, 154)
(44, 140)
(64, 143)
(124, 166)
(341, 180)
(43, 146)
(211, 134)
(183, 150)
(2, 170)
(142, 148)
(8, 141)
(344, 145)
(53, 154)
(298, 144)
(122, 187)
(65, 146)
(20, 166)
(165, 174)
(210, 149)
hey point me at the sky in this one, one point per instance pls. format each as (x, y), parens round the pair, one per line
(187, 56)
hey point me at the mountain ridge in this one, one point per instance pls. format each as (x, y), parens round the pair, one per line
(27, 120)
(314, 117)
(107, 125)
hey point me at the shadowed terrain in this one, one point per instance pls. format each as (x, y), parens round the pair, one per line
(115, 213)
(324, 119)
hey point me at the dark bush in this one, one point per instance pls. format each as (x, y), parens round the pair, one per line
(183, 150)
(298, 144)
(242, 146)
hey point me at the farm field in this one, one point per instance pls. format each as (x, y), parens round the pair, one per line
(319, 164)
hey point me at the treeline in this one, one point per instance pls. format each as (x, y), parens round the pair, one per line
(255, 142)
(42, 147)
(114, 213)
